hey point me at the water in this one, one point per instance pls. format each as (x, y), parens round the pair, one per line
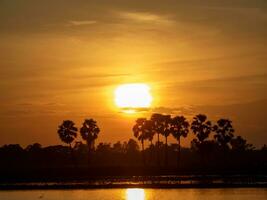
(138, 194)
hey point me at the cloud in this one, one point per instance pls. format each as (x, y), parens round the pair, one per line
(231, 83)
(32, 109)
(101, 75)
(145, 17)
(81, 22)
(134, 110)
(182, 110)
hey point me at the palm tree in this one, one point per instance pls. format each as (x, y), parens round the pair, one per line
(67, 132)
(157, 120)
(179, 128)
(201, 127)
(224, 132)
(140, 133)
(166, 131)
(149, 130)
(89, 132)
(149, 135)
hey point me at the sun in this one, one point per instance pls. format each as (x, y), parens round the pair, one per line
(133, 96)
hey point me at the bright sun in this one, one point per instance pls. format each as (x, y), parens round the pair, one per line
(133, 96)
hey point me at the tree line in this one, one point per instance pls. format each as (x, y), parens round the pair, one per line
(214, 149)
(208, 136)
(89, 131)
(179, 127)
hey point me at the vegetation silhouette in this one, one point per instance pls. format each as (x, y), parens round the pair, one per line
(214, 150)
(224, 133)
(89, 132)
(158, 120)
(141, 133)
(67, 132)
(179, 128)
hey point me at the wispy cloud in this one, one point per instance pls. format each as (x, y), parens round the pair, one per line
(144, 17)
(81, 22)
(100, 75)
(182, 110)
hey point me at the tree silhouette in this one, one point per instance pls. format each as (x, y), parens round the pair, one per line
(149, 130)
(118, 147)
(158, 124)
(201, 127)
(67, 132)
(264, 147)
(149, 135)
(131, 146)
(179, 128)
(36, 147)
(166, 131)
(140, 133)
(224, 132)
(240, 144)
(89, 132)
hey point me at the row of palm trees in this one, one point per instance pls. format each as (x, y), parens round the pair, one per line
(158, 124)
(178, 126)
(89, 132)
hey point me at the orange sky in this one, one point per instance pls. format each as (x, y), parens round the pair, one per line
(63, 60)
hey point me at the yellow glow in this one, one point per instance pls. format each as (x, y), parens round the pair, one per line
(129, 111)
(135, 194)
(135, 95)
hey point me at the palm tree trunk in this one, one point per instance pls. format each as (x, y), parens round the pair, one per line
(179, 152)
(151, 152)
(166, 151)
(72, 156)
(89, 153)
(158, 161)
(143, 152)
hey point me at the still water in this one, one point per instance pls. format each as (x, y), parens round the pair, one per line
(138, 194)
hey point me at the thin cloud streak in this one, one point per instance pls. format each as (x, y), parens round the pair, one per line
(81, 22)
(145, 17)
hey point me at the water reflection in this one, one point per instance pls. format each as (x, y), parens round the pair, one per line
(135, 194)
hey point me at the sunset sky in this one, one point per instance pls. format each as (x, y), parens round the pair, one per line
(64, 59)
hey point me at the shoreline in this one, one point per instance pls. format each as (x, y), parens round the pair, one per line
(157, 182)
(70, 186)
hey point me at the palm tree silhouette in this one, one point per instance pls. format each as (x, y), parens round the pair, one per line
(140, 133)
(179, 128)
(166, 131)
(67, 132)
(149, 135)
(149, 130)
(224, 132)
(201, 127)
(157, 120)
(89, 132)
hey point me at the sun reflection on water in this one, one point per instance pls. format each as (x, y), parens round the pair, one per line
(135, 194)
